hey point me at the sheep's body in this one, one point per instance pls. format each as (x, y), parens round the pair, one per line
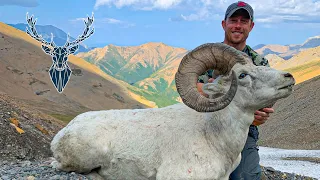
(152, 143)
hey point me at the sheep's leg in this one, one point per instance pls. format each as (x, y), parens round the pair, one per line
(124, 169)
(67, 167)
(236, 163)
(94, 175)
(55, 164)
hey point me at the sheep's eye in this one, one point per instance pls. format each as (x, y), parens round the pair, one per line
(242, 75)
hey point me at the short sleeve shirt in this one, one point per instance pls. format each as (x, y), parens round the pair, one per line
(257, 60)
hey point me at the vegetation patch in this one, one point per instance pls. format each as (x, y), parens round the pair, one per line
(64, 117)
(304, 66)
(162, 99)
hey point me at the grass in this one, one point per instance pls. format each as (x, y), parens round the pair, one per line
(304, 66)
(63, 117)
(306, 71)
(162, 99)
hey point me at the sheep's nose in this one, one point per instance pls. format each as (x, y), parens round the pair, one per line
(288, 75)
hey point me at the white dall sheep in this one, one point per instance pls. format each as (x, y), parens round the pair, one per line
(201, 138)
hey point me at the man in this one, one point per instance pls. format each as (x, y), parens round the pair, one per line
(237, 25)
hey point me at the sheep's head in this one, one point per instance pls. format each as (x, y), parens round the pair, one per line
(257, 86)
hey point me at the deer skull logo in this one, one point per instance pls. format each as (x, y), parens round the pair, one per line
(59, 71)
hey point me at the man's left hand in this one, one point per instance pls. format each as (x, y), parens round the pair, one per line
(262, 115)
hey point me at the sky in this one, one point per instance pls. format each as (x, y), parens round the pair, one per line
(178, 23)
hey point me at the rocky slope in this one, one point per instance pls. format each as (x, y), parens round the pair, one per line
(24, 74)
(295, 123)
(25, 133)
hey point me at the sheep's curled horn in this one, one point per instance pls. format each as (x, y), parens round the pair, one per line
(217, 56)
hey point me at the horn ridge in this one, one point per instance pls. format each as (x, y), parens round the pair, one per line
(217, 56)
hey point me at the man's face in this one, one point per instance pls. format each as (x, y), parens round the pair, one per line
(237, 27)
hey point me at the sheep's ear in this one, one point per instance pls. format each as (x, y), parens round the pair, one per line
(214, 89)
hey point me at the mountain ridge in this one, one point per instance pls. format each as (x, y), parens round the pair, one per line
(24, 75)
(160, 80)
(150, 66)
(59, 36)
(287, 51)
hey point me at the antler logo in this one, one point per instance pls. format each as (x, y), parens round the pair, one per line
(59, 71)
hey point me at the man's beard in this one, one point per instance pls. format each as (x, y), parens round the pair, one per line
(230, 39)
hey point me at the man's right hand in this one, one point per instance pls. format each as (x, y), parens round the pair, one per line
(199, 87)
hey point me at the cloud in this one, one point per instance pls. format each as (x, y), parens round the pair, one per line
(123, 24)
(278, 18)
(267, 11)
(139, 4)
(298, 11)
(201, 15)
(23, 3)
(101, 21)
(112, 21)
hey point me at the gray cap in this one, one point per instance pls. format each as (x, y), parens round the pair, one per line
(236, 6)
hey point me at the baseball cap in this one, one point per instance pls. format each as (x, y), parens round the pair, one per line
(239, 5)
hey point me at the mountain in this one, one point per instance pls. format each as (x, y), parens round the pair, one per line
(59, 36)
(150, 67)
(304, 65)
(24, 75)
(280, 50)
(274, 60)
(311, 42)
(287, 51)
(258, 46)
(135, 63)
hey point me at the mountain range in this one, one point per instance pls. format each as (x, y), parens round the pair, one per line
(287, 51)
(59, 36)
(24, 75)
(149, 69)
(151, 66)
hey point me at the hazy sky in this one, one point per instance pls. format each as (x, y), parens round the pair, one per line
(179, 23)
